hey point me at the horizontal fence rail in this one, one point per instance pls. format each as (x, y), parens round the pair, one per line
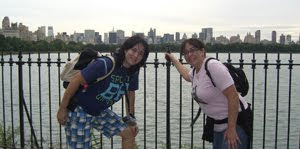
(31, 93)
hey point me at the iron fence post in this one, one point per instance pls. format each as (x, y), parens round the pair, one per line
(168, 143)
(21, 114)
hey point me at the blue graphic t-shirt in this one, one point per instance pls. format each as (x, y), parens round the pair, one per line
(101, 95)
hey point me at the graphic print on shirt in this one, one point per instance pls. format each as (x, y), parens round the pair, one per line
(195, 97)
(115, 90)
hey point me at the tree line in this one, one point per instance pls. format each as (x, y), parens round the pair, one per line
(12, 44)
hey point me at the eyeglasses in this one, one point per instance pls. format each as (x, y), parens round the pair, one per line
(191, 50)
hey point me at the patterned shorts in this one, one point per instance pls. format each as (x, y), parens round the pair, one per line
(79, 125)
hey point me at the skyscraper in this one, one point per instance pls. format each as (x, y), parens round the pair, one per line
(152, 35)
(106, 40)
(274, 37)
(177, 36)
(50, 31)
(282, 39)
(208, 34)
(257, 37)
(98, 38)
(184, 36)
(120, 36)
(202, 36)
(112, 37)
(288, 39)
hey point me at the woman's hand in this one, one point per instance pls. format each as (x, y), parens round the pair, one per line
(181, 69)
(62, 115)
(169, 57)
(232, 138)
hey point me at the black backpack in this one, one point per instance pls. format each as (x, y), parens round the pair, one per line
(238, 76)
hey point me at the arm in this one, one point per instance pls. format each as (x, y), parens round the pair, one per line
(131, 96)
(180, 68)
(75, 82)
(233, 106)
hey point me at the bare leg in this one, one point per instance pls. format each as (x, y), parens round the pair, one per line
(128, 137)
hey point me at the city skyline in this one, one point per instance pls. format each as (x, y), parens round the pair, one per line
(228, 18)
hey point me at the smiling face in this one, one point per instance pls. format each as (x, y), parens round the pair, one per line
(133, 55)
(194, 56)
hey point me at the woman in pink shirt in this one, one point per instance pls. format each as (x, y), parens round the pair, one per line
(220, 102)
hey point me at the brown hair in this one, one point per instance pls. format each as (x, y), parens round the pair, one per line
(194, 42)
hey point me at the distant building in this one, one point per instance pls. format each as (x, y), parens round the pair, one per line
(41, 33)
(9, 31)
(274, 40)
(14, 30)
(152, 36)
(89, 36)
(142, 35)
(177, 36)
(202, 37)
(25, 34)
(120, 36)
(5, 23)
(98, 38)
(282, 39)
(213, 40)
(249, 39)
(195, 36)
(112, 36)
(288, 39)
(265, 42)
(222, 40)
(159, 39)
(78, 37)
(235, 39)
(168, 38)
(184, 37)
(63, 36)
(50, 36)
(257, 36)
(106, 40)
(50, 31)
(208, 34)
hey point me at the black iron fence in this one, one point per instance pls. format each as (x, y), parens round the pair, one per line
(31, 92)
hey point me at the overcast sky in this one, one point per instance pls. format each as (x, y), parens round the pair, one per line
(226, 17)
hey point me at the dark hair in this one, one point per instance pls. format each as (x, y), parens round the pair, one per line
(119, 54)
(194, 42)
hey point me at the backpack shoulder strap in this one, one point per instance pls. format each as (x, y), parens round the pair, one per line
(194, 71)
(207, 72)
(111, 70)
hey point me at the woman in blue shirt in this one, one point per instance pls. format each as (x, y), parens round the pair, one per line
(94, 100)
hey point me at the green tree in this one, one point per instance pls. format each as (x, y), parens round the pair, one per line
(57, 45)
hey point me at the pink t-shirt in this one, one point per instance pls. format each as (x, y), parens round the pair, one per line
(211, 99)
